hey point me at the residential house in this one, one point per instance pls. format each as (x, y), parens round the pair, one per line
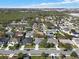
(50, 32)
(18, 34)
(27, 41)
(29, 34)
(4, 40)
(34, 27)
(52, 40)
(66, 41)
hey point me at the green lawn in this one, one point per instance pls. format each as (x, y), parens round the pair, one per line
(40, 57)
(71, 57)
(67, 36)
(41, 46)
(45, 47)
(29, 46)
(3, 57)
(11, 47)
(16, 46)
(4, 46)
(58, 35)
(63, 45)
(74, 46)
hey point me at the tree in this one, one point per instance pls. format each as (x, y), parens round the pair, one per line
(20, 55)
(5, 45)
(52, 45)
(73, 31)
(48, 45)
(11, 47)
(17, 46)
(74, 54)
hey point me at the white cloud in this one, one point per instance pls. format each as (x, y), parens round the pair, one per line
(52, 4)
(48, 5)
(71, 0)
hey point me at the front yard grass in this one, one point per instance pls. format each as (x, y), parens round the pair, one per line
(71, 57)
(74, 46)
(40, 46)
(3, 57)
(68, 57)
(63, 45)
(11, 47)
(66, 46)
(29, 46)
(4, 46)
(16, 46)
(39, 57)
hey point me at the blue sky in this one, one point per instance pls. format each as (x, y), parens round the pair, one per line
(39, 3)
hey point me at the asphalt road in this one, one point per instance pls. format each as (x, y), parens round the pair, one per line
(35, 52)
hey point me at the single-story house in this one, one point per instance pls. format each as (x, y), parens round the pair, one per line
(27, 41)
(52, 40)
(66, 41)
(29, 34)
(4, 40)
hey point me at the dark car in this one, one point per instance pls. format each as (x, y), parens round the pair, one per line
(65, 49)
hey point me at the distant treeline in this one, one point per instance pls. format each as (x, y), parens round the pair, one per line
(9, 16)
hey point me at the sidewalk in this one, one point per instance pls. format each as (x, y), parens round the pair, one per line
(57, 47)
(75, 43)
(36, 47)
(11, 55)
(22, 47)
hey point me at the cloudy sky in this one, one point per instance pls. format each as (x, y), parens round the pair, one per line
(39, 3)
